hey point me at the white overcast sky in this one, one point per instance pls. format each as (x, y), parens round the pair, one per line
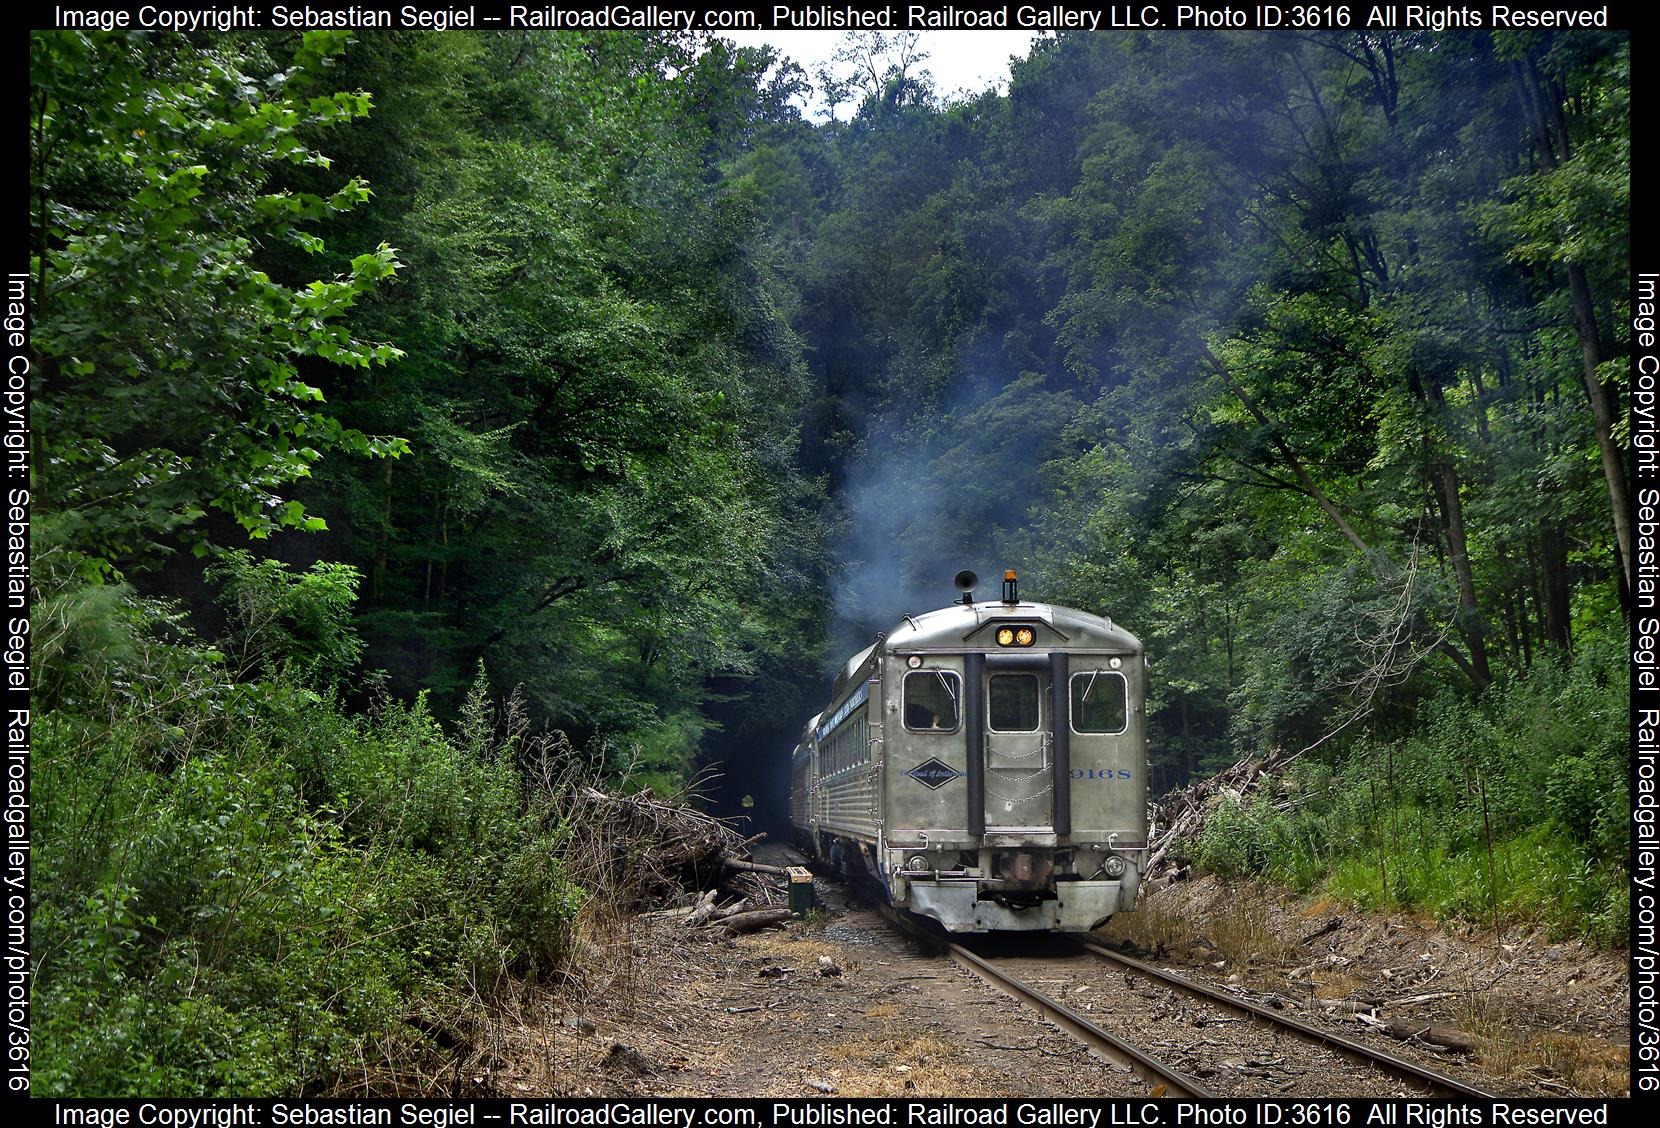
(969, 61)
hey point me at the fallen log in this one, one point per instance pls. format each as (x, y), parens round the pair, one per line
(752, 921)
(1419, 1000)
(754, 867)
(733, 909)
(1330, 926)
(704, 910)
(1443, 1036)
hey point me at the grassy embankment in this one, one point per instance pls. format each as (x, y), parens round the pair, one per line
(242, 888)
(1511, 809)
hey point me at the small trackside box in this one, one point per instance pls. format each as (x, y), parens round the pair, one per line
(801, 890)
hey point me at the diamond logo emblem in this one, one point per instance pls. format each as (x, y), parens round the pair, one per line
(931, 773)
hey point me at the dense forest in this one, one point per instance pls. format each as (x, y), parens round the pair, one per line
(424, 421)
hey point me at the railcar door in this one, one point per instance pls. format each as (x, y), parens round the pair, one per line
(1019, 769)
(1108, 746)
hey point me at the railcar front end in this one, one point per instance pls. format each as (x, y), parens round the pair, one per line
(985, 763)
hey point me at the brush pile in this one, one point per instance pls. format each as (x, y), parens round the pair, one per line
(1178, 816)
(656, 853)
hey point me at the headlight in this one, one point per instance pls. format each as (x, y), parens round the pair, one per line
(1114, 866)
(1016, 636)
(1005, 636)
(1024, 636)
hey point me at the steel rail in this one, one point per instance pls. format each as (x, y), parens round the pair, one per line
(1355, 1051)
(1162, 1080)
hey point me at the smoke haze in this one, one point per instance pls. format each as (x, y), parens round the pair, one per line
(947, 489)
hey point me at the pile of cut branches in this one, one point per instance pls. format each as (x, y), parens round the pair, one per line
(650, 852)
(641, 860)
(698, 862)
(1178, 816)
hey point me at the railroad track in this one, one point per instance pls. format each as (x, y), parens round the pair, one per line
(1163, 1079)
(1396, 1067)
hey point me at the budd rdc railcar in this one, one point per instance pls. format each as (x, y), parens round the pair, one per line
(986, 765)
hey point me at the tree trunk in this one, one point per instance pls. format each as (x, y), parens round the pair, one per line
(1187, 741)
(1480, 404)
(1553, 561)
(1469, 612)
(1444, 1036)
(754, 867)
(1512, 639)
(1537, 103)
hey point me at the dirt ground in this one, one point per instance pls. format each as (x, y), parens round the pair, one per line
(840, 1004)
(1547, 1017)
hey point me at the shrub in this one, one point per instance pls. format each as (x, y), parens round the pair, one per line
(241, 889)
(1255, 837)
(301, 624)
(1535, 771)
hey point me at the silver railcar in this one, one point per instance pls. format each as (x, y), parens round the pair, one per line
(986, 763)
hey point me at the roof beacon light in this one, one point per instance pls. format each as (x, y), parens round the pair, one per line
(1011, 584)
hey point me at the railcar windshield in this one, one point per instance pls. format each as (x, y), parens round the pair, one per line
(1014, 702)
(1100, 702)
(931, 698)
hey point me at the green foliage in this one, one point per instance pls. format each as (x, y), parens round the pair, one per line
(240, 889)
(169, 364)
(1537, 772)
(1255, 838)
(280, 621)
(660, 757)
(1287, 382)
(247, 886)
(601, 501)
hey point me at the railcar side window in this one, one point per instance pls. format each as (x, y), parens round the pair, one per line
(849, 746)
(1100, 702)
(931, 698)
(1014, 702)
